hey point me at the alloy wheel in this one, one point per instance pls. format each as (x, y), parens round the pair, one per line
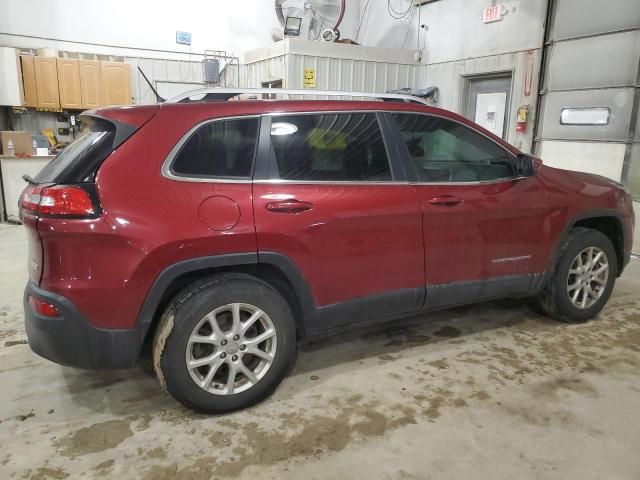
(588, 276)
(231, 349)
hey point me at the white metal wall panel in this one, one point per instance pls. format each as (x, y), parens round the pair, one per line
(575, 18)
(633, 178)
(337, 67)
(231, 73)
(604, 159)
(619, 100)
(353, 75)
(602, 61)
(161, 70)
(263, 71)
(10, 87)
(456, 31)
(445, 77)
(336, 73)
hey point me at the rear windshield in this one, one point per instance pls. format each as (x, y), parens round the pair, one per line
(79, 161)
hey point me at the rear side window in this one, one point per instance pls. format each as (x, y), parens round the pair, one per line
(221, 148)
(330, 147)
(79, 161)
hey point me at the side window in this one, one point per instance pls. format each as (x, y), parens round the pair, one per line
(221, 148)
(446, 151)
(330, 147)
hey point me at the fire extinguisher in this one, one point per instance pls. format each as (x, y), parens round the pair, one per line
(523, 114)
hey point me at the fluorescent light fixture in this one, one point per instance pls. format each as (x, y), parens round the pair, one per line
(283, 128)
(292, 26)
(585, 116)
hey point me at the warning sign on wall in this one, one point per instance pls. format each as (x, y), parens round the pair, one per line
(309, 78)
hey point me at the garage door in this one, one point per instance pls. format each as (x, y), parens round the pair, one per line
(590, 89)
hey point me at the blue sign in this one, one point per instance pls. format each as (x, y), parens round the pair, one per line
(183, 38)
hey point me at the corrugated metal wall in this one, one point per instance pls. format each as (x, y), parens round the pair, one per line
(334, 73)
(354, 75)
(173, 76)
(266, 70)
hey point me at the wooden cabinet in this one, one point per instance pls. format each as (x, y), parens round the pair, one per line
(69, 83)
(116, 83)
(29, 81)
(46, 73)
(90, 83)
(52, 83)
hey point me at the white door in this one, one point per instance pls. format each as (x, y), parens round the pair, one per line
(490, 110)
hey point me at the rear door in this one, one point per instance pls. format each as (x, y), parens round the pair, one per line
(328, 198)
(484, 229)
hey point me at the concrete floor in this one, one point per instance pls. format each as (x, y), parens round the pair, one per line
(490, 391)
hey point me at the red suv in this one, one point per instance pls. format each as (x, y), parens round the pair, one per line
(225, 231)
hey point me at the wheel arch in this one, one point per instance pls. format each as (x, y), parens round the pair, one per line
(609, 222)
(276, 269)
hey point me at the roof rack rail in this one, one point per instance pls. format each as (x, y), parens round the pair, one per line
(223, 94)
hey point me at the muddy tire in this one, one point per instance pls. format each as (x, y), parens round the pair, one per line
(224, 343)
(583, 278)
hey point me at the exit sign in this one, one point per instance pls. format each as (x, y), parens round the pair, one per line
(183, 37)
(492, 14)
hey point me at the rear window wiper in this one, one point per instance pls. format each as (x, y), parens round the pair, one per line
(29, 179)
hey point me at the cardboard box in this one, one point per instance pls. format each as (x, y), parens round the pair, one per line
(22, 142)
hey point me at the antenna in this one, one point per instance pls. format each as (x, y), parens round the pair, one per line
(159, 99)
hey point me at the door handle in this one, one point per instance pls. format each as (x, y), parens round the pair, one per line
(445, 201)
(288, 206)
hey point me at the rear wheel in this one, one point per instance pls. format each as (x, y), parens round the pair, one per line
(583, 278)
(224, 343)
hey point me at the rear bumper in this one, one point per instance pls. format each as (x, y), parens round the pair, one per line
(72, 340)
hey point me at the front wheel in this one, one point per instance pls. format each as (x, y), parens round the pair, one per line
(224, 344)
(583, 278)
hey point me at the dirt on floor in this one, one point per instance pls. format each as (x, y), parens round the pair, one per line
(485, 391)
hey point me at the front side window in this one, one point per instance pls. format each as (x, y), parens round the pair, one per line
(330, 147)
(446, 151)
(221, 148)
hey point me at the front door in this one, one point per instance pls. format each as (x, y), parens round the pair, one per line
(483, 228)
(331, 202)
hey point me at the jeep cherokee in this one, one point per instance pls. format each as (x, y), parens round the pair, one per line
(225, 231)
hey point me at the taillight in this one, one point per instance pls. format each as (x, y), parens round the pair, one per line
(31, 198)
(43, 308)
(59, 200)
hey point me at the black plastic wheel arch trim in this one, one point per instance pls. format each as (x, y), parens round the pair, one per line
(587, 215)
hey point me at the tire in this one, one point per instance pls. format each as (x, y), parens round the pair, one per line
(556, 298)
(189, 314)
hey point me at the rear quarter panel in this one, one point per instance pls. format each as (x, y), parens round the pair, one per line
(107, 266)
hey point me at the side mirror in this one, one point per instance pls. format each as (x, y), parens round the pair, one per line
(523, 165)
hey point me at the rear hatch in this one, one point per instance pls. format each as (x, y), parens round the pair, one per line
(65, 188)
